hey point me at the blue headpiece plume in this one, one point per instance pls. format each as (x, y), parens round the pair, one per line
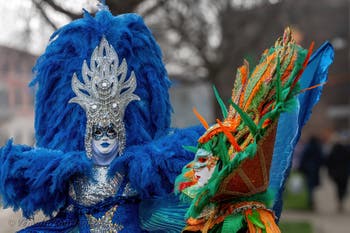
(60, 125)
(37, 178)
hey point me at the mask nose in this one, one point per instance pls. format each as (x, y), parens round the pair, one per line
(198, 166)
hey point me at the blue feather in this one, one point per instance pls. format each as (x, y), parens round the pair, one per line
(61, 126)
(153, 167)
(37, 179)
(291, 124)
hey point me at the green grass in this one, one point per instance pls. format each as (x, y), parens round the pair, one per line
(295, 227)
(295, 200)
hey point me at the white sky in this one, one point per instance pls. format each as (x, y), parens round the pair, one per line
(17, 16)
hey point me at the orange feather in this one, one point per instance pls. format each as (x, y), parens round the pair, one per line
(268, 220)
(229, 136)
(201, 118)
(266, 74)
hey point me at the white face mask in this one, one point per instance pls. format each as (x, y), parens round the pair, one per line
(203, 175)
(203, 167)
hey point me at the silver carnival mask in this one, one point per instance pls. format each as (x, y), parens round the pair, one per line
(104, 93)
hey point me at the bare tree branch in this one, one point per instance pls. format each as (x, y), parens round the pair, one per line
(156, 6)
(116, 7)
(58, 8)
(185, 26)
(43, 13)
(120, 7)
(177, 21)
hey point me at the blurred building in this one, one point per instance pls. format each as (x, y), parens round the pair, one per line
(16, 99)
(186, 97)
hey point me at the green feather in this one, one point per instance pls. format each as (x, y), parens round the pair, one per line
(253, 80)
(237, 87)
(298, 64)
(278, 82)
(246, 119)
(288, 59)
(192, 149)
(221, 103)
(255, 219)
(233, 223)
(221, 150)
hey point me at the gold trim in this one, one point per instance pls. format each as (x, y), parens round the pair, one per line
(263, 165)
(246, 179)
(272, 129)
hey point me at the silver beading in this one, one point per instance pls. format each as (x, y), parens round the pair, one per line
(105, 92)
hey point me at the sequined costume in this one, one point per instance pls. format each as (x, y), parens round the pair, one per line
(96, 72)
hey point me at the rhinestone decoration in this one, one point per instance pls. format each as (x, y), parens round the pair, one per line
(105, 223)
(129, 191)
(90, 191)
(249, 205)
(105, 92)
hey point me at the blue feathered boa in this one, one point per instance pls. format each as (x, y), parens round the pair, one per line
(35, 179)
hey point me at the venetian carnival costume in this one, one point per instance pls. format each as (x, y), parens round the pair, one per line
(103, 77)
(102, 127)
(235, 182)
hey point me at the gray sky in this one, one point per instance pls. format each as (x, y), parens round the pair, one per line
(24, 28)
(20, 16)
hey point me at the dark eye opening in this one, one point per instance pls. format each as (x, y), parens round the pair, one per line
(202, 159)
(111, 131)
(98, 132)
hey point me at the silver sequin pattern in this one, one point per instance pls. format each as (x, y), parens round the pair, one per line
(105, 223)
(89, 191)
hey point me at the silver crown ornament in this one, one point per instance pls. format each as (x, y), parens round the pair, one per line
(105, 92)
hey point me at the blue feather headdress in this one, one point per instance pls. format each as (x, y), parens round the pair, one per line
(60, 125)
(37, 178)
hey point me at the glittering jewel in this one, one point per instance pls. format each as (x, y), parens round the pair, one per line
(105, 223)
(105, 92)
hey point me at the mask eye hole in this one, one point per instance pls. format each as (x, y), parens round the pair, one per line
(111, 132)
(98, 132)
(202, 159)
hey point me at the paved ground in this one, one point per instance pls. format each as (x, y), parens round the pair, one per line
(11, 222)
(324, 220)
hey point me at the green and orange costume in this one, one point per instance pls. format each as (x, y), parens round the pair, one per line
(237, 196)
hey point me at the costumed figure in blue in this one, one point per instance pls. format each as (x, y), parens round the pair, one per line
(102, 127)
(106, 158)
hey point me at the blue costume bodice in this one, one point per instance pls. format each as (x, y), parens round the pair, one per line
(97, 204)
(104, 204)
